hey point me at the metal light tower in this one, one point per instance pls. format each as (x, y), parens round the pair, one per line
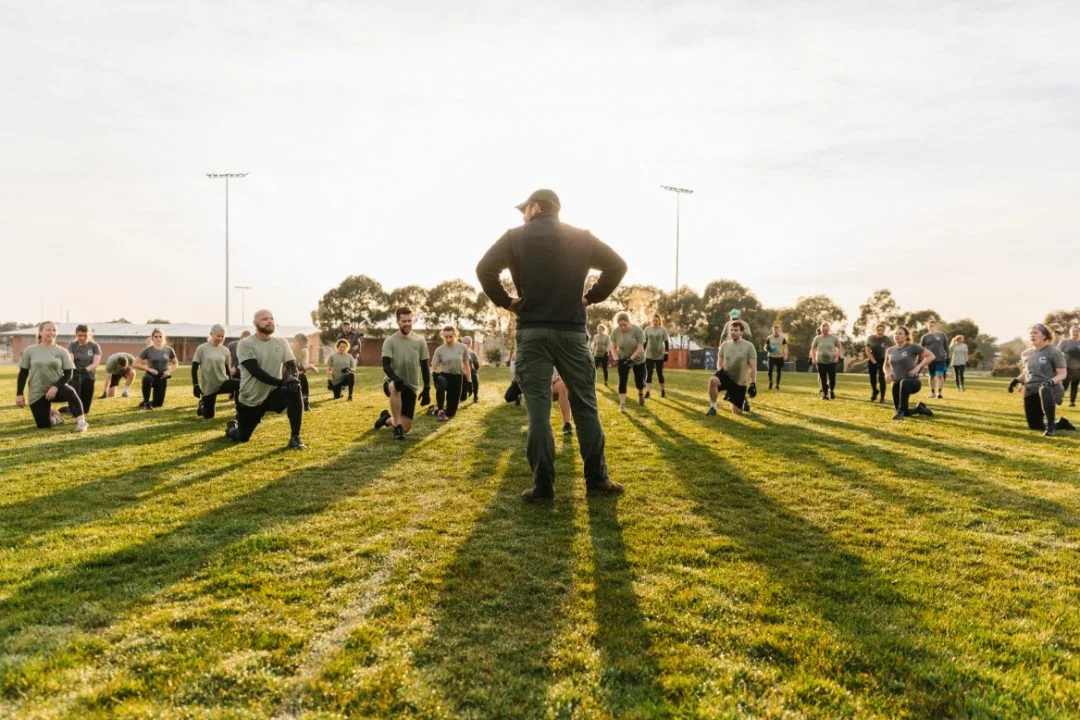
(679, 192)
(243, 296)
(226, 177)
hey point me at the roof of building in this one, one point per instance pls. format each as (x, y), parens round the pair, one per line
(141, 331)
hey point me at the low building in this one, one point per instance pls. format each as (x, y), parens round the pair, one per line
(133, 337)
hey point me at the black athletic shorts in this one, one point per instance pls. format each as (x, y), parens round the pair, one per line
(736, 393)
(114, 380)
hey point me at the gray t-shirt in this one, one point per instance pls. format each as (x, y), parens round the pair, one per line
(937, 343)
(774, 345)
(83, 355)
(903, 359)
(959, 354)
(1071, 350)
(878, 346)
(1040, 366)
(157, 359)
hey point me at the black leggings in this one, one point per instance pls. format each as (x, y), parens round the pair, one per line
(827, 377)
(285, 398)
(602, 362)
(475, 386)
(158, 385)
(902, 390)
(778, 365)
(347, 381)
(1071, 383)
(657, 365)
(305, 388)
(624, 375)
(449, 398)
(877, 377)
(1041, 408)
(83, 384)
(209, 400)
(959, 375)
(42, 408)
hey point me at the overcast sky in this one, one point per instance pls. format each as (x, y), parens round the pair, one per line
(834, 147)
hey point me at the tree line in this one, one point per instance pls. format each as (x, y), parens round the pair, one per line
(363, 301)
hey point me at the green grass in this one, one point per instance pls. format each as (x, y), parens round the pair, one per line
(814, 559)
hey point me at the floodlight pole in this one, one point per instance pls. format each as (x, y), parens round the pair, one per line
(679, 192)
(226, 177)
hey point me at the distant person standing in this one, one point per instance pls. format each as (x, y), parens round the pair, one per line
(958, 351)
(549, 262)
(472, 385)
(733, 317)
(232, 352)
(628, 347)
(347, 333)
(736, 372)
(1070, 346)
(876, 347)
(119, 366)
(340, 370)
(825, 352)
(1043, 369)
(657, 344)
(157, 361)
(268, 383)
(599, 345)
(936, 342)
(903, 363)
(211, 372)
(87, 356)
(303, 364)
(405, 363)
(776, 348)
(45, 371)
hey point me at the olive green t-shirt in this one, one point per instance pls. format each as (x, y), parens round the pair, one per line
(271, 355)
(600, 345)
(405, 355)
(828, 347)
(959, 354)
(303, 358)
(213, 366)
(450, 359)
(112, 364)
(46, 366)
(627, 342)
(774, 345)
(737, 358)
(337, 363)
(655, 338)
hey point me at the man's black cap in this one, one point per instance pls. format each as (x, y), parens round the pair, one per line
(544, 195)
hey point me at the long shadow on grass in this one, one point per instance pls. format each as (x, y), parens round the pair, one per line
(99, 590)
(629, 672)
(503, 593)
(888, 656)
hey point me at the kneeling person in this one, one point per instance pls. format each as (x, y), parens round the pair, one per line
(736, 371)
(119, 366)
(268, 383)
(903, 363)
(405, 360)
(340, 369)
(211, 372)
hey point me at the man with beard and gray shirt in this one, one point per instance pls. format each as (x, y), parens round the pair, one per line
(937, 343)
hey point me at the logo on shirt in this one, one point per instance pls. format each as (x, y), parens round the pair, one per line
(1042, 360)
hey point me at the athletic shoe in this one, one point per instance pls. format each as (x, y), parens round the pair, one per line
(622, 408)
(770, 386)
(824, 396)
(746, 406)
(899, 415)
(1063, 424)
(921, 409)
(648, 393)
(55, 419)
(873, 398)
(307, 406)
(663, 393)
(384, 420)
(348, 399)
(81, 425)
(103, 396)
(882, 400)
(399, 432)
(567, 429)
(199, 409)
(124, 393)
(608, 489)
(231, 430)
(475, 400)
(710, 412)
(443, 417)
(641, 400)
(939, 395)
(832, 394)
(295, 443)
(1072, 404)
(534, 498)
(1050, 431)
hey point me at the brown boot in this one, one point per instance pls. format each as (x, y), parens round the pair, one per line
(607, 489)
(534, 498)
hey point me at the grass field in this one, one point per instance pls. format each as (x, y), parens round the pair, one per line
(814, 559)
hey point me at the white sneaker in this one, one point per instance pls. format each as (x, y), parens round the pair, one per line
(124, 394)
(55, 419)
(81, 426)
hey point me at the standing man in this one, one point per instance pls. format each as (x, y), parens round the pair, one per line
(87, 356)
(876, 347)
(937, 343)
(405, 362)
(268, 383)
(600, 345)
(472, 384)
(736, 372)
(211, 372)
(657, 344)
(549, 262)
(1070, 346)
(777, 350)
(347, 333)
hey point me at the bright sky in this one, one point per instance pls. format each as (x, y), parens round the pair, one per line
(834, 147)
